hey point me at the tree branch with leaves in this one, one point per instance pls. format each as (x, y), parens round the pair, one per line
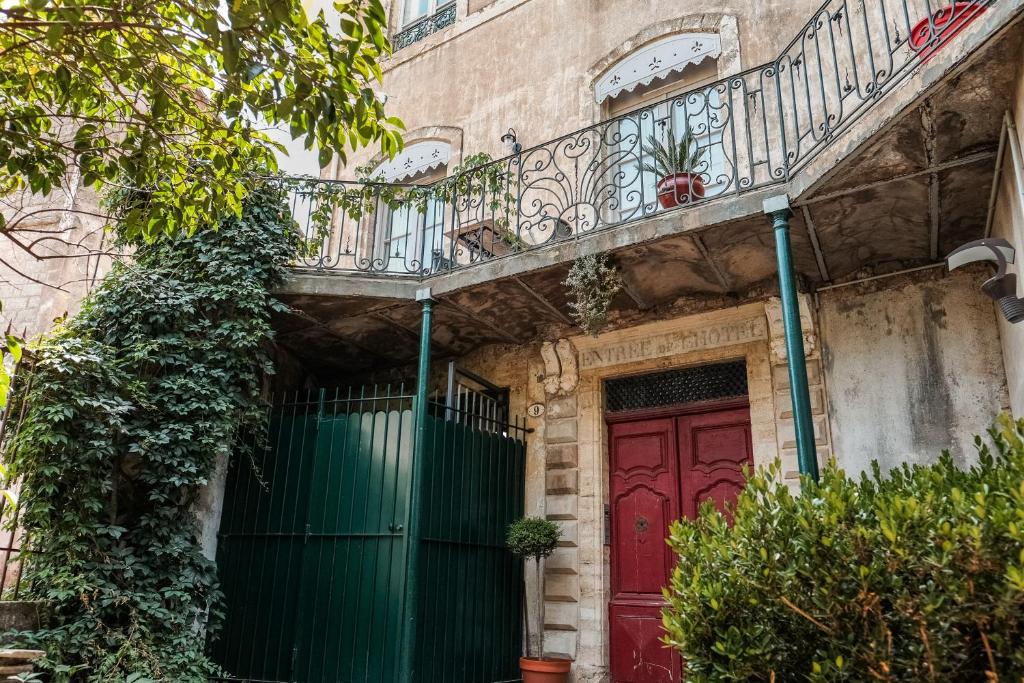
(174, 97)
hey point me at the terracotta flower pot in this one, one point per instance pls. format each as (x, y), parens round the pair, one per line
(947, 22)
(544, 670)
(681, 188)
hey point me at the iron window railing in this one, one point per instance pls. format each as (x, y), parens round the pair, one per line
(444, 16)
(753, 129)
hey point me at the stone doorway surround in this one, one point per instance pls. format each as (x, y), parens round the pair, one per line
(577, 575)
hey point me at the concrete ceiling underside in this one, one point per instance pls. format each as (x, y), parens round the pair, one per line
(918, 189)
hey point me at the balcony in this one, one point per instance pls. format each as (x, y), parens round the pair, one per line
(881, 120)
(444, 16)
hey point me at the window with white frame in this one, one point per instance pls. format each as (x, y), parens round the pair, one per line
(408, 239)
(417, 9)
(421, 18)
(412, 239)
(657, 95)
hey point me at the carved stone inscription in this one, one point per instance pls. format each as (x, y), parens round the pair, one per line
(673, 343)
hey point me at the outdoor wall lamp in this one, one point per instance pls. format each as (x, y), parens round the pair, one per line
(510, 142)
(1003, 287)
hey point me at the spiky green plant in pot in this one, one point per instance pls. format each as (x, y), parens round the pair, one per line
(676, 164)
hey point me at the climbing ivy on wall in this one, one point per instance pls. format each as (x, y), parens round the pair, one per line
(132, 403)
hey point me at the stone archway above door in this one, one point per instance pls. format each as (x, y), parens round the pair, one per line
(576, 452)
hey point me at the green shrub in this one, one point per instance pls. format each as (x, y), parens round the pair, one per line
(532, 538)
(918, 575)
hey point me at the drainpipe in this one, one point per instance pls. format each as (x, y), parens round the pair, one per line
(1008, 134)
(777, 209)
(1015, 153)
(410, 607)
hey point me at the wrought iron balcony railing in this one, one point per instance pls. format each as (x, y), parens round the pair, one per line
(442, 18)
(743, 132)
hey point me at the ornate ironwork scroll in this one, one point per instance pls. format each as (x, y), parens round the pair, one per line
(749, 130)
(445, 16)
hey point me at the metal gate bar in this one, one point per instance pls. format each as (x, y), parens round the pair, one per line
(261, 530)
(352, 630)
(473, 489)
(312, 553)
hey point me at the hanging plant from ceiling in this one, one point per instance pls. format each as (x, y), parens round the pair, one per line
(593, 282)
(132, 403)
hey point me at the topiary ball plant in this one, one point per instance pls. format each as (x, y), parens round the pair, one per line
(533, 538)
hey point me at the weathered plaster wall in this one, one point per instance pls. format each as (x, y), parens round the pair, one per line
(63, 265)
(913, 365)
(477, 5)
(1008, 223)
(209, 508)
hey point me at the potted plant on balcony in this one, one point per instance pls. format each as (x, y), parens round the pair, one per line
(676, 165)
(481, 193)
(534, 538)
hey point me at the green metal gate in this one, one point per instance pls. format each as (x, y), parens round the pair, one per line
(312, 553)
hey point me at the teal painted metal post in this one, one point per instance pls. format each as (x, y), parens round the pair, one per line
(410, 607)
(777, 208)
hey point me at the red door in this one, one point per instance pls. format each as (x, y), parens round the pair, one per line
(663, 465)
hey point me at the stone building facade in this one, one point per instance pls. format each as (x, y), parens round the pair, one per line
(903, 357)
(898, 389)
(57, 253)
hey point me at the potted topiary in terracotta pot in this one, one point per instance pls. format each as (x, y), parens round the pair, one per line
(676, 166)
(534, 538)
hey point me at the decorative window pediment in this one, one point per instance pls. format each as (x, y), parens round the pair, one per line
(417, 158)
(657, 60)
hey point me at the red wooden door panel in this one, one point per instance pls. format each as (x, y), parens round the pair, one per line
(713, 448)
(661, 469)
(637, 653)
(644, 501)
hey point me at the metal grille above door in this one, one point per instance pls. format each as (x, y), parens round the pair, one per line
(676, 387)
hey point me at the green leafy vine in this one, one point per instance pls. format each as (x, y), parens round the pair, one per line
(478, 182)
(133, 402)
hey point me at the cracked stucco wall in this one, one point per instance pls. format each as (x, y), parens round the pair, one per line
(913, 365)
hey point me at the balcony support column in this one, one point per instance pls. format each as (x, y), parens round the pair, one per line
(410, 602)
(778, 210)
